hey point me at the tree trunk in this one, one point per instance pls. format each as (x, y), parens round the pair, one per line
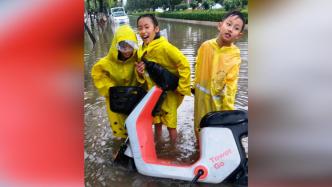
(90, 33)
(101, 6)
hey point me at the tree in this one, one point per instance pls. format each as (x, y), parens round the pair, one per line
(219, 1)
(173, 3)
(244, 3)
(155, 4)
(110, 3)
(88, 8)
(96, 6)
(232, 4)
(101, 6)
(194, 4)
(133, 5)
(207, 4)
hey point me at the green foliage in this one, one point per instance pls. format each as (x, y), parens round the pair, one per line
(201, 15)
(233, 4)
(145, 5)
(173, 3)
(194, 4)
(195, 15)
(182, 6)
(245, 14)
(139, 7)
(156, 3)
(244, 2)
(219, 1)
(207, 4)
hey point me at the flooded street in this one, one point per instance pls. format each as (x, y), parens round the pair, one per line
(99, 140)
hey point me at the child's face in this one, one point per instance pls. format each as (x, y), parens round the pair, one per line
(125, 49)
(147, 30)
(230, 29)
(127, 54)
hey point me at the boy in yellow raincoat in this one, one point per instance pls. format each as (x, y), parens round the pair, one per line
(217, 68)
(157, 49)
(117, 69)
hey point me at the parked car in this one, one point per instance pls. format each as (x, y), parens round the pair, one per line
(119, 16)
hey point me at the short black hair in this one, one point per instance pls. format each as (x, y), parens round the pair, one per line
(236, 13)
(151, 16)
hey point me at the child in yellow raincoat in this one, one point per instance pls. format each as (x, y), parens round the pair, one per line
(117, 69)
(217, 68)
(157, 49)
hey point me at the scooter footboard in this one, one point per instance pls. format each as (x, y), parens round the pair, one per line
(219, 158)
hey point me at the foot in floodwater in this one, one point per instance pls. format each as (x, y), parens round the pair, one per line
(167, 150)
(117, 147)
(160, 143)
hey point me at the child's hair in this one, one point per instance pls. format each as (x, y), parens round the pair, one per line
(151, 16)
(236, 13)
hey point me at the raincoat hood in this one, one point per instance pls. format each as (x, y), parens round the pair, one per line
(123, 33)
(109, 71)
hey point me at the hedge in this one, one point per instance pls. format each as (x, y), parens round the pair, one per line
(209, 15)
(200, 15)
(145, 12)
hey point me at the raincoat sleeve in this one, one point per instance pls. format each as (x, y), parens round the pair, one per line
(101, 78)
(229, 92)
(183, 68)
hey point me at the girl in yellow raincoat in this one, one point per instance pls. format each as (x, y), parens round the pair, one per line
(117, 69)
(217, 68)
(157, 49)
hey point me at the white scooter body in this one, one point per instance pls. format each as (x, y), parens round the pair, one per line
(219, 154)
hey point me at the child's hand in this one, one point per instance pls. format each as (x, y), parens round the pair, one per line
(140, 68)
(192, 90)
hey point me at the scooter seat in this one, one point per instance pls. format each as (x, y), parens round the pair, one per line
(224, 118)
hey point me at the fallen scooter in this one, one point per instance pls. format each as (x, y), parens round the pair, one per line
(222, 155)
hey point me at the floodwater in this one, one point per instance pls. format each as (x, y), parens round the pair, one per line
(99, 141)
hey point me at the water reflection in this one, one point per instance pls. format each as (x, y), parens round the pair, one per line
(99, 141)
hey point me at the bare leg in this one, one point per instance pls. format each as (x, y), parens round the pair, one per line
(197, 134)
(172, 134)
(158, 130)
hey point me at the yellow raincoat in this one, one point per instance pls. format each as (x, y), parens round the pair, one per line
(216, 78)
(168, 56)
(110, 71)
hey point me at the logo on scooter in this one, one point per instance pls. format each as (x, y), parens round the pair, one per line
(216, 160)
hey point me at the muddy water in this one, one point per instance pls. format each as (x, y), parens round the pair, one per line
(99, 140)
